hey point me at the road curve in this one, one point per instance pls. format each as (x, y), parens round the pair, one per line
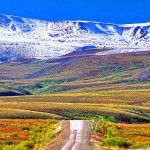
(80, 136)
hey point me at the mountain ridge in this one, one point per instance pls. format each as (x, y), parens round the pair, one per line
(33, 38)
(123, 24)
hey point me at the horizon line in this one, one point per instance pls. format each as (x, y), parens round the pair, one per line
(125, 24)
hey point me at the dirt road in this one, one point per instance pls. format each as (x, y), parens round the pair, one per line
(80, 136)
(75, 136)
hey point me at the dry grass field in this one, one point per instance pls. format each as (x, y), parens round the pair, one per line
(137, 134)
(118, 106)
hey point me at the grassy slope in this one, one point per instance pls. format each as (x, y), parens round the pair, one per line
(76, 74)
(25, 114)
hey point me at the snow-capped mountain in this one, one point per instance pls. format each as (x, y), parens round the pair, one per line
(23, 37)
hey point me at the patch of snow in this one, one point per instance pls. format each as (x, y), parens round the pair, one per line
(40, 39)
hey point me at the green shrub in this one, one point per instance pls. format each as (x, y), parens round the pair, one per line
(52, 121)
(20, 147)
(38, 129)
(14, 135)
(97, 128)
(28, 144)
(8, 147)
(136, 65)
(34, 138)
(50, 135)
(25, 128)
(111, 132)
(9, 143)
(117, 141)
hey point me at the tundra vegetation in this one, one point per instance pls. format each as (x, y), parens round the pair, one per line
(120, 135)
(115, 88)
(26, 134)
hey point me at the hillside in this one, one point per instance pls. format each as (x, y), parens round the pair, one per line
(75, 73)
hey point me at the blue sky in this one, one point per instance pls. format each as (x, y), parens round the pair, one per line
(115, 11)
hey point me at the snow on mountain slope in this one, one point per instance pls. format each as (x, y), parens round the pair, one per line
(23, 37)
